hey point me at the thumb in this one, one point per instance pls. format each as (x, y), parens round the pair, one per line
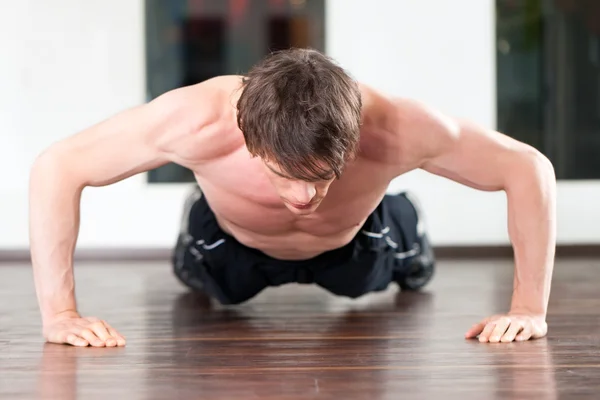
(475, 330)
(540, 329)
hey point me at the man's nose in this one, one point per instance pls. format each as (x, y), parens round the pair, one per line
(302, 193)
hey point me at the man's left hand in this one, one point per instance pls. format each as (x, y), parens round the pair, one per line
(508, 328)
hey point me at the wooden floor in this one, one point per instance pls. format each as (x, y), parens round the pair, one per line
(302, 343)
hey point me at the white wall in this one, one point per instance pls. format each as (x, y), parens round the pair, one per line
(67, 64)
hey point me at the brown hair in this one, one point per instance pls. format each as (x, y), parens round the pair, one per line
(301, 111)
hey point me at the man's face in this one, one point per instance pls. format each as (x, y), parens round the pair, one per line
(300, 197)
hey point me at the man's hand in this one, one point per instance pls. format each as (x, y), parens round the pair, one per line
(74, 330)
(508, 328)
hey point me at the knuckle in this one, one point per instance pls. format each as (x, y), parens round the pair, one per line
(86, 332)
(65, 330)
(95, 325)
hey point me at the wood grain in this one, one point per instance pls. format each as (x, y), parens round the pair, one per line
(299, 342)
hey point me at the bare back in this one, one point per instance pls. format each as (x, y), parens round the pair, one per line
(247, 207)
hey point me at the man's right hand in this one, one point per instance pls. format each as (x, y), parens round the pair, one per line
(77, 331)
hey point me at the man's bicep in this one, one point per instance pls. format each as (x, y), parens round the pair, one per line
(124, 145)
(460, 150)
(474, 156)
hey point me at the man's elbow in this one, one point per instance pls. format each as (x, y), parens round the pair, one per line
(52, 167)
(46, 162)
(533, 169)
(542, 165)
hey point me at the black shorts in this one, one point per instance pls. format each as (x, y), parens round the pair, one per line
(388, 248)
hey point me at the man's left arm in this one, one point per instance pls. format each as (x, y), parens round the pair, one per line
(488, 160)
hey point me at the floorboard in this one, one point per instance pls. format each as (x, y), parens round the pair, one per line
(299, 342)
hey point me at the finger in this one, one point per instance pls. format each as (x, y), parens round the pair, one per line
(539, 330)
(66, 337)
(109, 339)
(90, 336)
(74, 340)
(501, 326)
(512, 331)
(487, 332)
(100, 330)
(118, 337)
(526, 333)
(475, 330)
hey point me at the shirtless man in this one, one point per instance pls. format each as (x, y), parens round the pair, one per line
(293, 162)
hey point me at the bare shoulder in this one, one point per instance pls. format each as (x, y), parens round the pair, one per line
(403, 130)
(205, 113)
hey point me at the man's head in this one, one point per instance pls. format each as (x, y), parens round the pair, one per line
(300, 113)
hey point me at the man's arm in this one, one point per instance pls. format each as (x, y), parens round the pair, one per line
(124, 145)
(488, 160)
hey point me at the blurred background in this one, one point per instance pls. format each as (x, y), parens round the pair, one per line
(529, 68)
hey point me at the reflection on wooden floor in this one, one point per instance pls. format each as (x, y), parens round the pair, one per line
(299, 342)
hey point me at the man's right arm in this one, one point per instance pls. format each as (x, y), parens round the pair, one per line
(131, 142)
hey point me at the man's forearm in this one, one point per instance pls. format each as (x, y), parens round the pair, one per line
(54, 226)
(531, 195)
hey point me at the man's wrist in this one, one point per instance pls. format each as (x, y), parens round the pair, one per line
(529, 298)
(65, 314)
(527, 308)
(526, 311)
